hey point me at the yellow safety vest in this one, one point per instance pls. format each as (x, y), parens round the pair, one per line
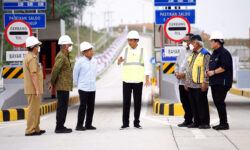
(133, 65)
(198, 67)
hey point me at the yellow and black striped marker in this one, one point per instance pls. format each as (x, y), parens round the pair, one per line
(21, 113)
(168, 109)
(13, 73)
(168, 68)
(240, 92)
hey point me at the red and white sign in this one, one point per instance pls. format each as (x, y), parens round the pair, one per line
(17, 32)
(176, 28)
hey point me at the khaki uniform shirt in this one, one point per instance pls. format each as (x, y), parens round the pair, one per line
(31, 65)
(62, 74)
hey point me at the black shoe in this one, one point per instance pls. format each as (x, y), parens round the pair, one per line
(124, 127)
(80, 128)
(137, 126)
(221, 127)
(193, 125)
(206, 126)
(42, 132)
(63, 130)
(33, 134)
(90, 128)
(184, 124)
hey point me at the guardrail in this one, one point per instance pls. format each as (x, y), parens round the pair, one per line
(105, 59)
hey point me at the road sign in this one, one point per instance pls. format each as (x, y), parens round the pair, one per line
(173, 51)
(24, 5)
(161, 16)
(176, 28)
(17, 32)
(175, 2)
(15, 55)
(166, 58)
(168, 68)
(36, 21)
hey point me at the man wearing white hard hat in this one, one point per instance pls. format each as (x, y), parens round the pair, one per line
(220, 77)
(33, 86)
(62, 81)
(135, 70)
(84, 76)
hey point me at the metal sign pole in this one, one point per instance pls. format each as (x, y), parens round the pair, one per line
(2, 47)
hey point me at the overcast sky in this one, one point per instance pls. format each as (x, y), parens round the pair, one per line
(232, 17)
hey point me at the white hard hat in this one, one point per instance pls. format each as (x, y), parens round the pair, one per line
(85, 46)
(216, 36)
(133, 35)
(32, 41)
(64, 39)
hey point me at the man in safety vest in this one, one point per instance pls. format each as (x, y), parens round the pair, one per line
(197, 83)
(135, 67)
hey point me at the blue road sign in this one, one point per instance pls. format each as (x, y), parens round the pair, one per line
(19, 5)
(161, 16)
(36, 21)
(165, 58)
(175, 2)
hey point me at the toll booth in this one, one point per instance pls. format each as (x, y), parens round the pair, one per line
(49, 38)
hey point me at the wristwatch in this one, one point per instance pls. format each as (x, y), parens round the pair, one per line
(214, 72)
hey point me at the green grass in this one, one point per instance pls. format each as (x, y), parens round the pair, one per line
(84, 35)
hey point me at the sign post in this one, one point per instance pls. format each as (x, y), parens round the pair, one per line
(17, 32)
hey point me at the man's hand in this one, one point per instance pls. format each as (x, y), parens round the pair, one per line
(210, 73)
(120, 60)
(147, 82)
(181, 75)
(176, 75)
(186, 87)
(38, 93)
(203, 86)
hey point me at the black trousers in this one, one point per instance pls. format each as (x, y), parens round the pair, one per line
(87, 102)
(62, 107)
(219, 93)
(128, 88)
(199, 106)
(185, 104)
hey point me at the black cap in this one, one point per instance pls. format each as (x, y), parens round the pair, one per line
(196, 37)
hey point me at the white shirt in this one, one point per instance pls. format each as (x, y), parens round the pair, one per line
(84, 74)
(146, 61)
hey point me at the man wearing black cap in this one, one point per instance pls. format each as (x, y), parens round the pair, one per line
(197, 83)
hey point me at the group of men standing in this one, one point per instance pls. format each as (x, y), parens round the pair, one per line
(195, 70)
(84, 76)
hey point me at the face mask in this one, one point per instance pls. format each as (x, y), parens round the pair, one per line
(184, 44)
(39, 49)
(70, 48)
(191, 47)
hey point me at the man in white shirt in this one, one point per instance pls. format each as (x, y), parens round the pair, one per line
(135, 70)
(180, 73)
(84, 76)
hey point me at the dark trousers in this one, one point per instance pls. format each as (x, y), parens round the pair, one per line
(185, 104)
(199, 106)
(87, 101)
(62, 107)
(137, 94)
(219, 93)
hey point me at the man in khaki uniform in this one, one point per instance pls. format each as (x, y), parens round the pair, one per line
(33, 86)
(62, 81)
